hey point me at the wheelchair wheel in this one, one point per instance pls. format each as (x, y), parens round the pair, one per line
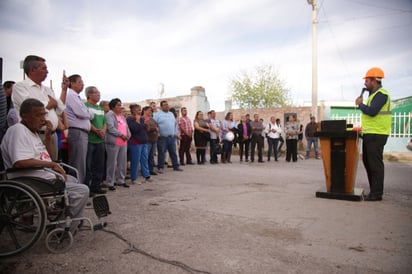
(59, 241)
(22, 217)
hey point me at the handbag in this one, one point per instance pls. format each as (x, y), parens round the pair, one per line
(218, 149)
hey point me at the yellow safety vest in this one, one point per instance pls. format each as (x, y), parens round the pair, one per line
(380, 123)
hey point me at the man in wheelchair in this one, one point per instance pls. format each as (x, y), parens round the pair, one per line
(22, 148)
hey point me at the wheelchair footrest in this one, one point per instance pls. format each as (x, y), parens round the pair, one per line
(99, 226)
(101, 206)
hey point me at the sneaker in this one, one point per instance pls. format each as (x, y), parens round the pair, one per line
(160, 170)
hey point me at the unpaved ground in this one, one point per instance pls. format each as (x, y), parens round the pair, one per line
(242, 218)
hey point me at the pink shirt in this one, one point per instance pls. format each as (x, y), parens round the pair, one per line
(122, 127)
(245, 133)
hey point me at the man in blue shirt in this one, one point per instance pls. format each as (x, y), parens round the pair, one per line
(167, 136)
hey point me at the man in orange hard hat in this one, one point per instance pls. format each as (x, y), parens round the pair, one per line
(376, 127)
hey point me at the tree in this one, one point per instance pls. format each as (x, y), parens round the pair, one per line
(263, 88)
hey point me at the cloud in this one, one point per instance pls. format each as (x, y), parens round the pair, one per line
(127, 48)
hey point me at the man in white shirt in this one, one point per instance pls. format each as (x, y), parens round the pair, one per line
(214, 128)
(36, 70)
(273, 132)
(22, 148)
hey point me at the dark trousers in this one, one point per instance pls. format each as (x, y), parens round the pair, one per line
(185, 144)
(151, 148)
(273, 145)
(95, 165)
(291, 149)
(256, 139)
(372, 156)
(281, 142)
(213, 155)
(244, 147)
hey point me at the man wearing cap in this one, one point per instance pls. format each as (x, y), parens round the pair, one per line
(310, 134)
(376, 127)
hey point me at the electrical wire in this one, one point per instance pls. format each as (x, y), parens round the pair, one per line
(321, 8)
(373, 4)
(133, 248)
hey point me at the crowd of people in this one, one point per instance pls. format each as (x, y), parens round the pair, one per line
(103, 140)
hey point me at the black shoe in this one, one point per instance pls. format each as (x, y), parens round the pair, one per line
(190, 163)
(182, 164)
(91, 194)
(373, 197)
(112, 188)
(178, 169)
(261, 161)
(125, 185)
(99, 191)
(153, 173)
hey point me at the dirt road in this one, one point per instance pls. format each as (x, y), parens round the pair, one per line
(242, 218)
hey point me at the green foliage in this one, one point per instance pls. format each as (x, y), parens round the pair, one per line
(261, 89)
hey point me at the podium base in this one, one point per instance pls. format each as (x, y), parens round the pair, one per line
(356, 196)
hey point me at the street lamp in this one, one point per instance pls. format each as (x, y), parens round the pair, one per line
(314, 59)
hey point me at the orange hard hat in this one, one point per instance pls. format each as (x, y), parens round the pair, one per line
(374, 72)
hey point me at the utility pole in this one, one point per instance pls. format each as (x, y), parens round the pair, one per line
(314, 58)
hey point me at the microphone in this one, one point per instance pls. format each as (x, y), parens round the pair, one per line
(362, 92)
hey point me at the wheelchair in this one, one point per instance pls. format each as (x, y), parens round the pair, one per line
(31, 206)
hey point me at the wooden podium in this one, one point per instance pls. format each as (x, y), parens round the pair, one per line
(340, 158)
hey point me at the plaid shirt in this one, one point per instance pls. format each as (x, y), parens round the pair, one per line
(186, 124)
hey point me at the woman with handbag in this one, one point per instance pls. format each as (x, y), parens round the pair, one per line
(201, 136)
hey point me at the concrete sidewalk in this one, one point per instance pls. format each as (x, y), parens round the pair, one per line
(245, 218)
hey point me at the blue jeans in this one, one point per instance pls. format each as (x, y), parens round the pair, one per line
(95, 165)
(227, 146)
(273, 145)
(314, 141)
(151, 148)
(138, 154)
(168, 144)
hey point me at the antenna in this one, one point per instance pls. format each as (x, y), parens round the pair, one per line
(161, 90)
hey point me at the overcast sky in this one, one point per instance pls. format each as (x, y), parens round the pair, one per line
(126, 48)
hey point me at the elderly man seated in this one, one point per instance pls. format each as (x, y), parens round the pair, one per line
(22, 148)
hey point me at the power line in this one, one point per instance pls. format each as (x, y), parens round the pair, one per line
(364, 17)
(373, 4)
(336, 44)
